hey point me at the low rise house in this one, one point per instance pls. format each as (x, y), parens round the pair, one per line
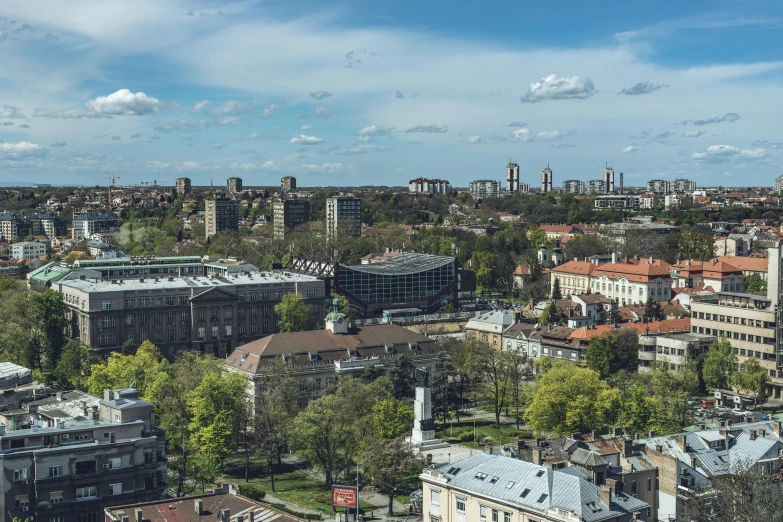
(28, 250)
(672, 349)
(489, 327)
(717, 273)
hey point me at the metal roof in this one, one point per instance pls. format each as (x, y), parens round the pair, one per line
(8, 369)
(405, 263)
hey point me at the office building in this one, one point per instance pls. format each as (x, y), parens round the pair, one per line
(343, 216)
(18, 225)
(28, 250)
(234, 185)
(221, 214)
(208, 314)
(498, 488)
(595, 186)
(429, 186)
(658, 186)
(574, 186)
(608, 179)
(512, 178)
(484, 188)
(683, 186)
(183, 186)
(289, 214)
(288, 183)
(68, 455)
(86, 223)
(546, 180)
(617, 202)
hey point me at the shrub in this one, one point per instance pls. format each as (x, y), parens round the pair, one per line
(252, 491)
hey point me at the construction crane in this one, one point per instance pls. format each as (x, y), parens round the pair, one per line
(112, 178)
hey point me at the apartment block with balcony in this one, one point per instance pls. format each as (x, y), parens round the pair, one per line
(673, 349)
(75, 455)
(288, 215)
(89, 222)
(343, 216)
(212, 314)
(748, 322)
(221, 214)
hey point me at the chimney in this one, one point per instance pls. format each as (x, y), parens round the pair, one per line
(239, 518)
(752, 434)
(606, 495)
(618, 431)
(776, 427)
(594, 434)
(139, 518)
(762, 432)
(694, 462)
(251, 515)
(199, 505)
(576, 436)
(59, 396)
(659, 448)
(628, 448)
(651, 434)
(722, 423)
(225, 515)
(612, 484)
(681, 442)
(538, 457)
(614, 257)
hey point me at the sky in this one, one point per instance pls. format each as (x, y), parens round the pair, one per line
(377, 93)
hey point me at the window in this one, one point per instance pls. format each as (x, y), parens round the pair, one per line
(115, 489)
(227, 313)
(215, 332)
(56, 497)
(56, 519)
(495, 517)
(493, 480)
(130, 303)
(171, 318)
(649, 484)
(312, 293)
(158, 335)
(228, 330)
(461, 505)
(86, 493)
(510, 485)
(201, 334)
(84, 467)
(157, 318)
(480, 475)
(20, 474)
(88, 517)
(22, 502)
(435, 502)
(143, 302)
(241, 313)
(214, 314)
(506, 517)
(482, 513)
(241, 328)
(129, 320)
(253, 312)
(114, 463)
(253, 328)
(105, 305)
(633, 487)
(171, 301)
(200, 314)
(143, 319)
(542, 498)
(265, 311)
(55, 471)
(266, 327)
(183, 317)
(170, 334)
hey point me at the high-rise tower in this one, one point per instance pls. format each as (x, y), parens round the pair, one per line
(608, 178)
(512, 177)
(546, 180)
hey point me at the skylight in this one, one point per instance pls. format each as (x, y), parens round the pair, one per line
(540, 473)
(510, 485)
(481, 476)
(524, 493)
(542, 498)
(493, 480)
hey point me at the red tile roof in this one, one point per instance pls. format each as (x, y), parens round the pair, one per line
(666, 326)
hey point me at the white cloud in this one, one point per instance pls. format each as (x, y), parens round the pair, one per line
(9, 111)
(21, 147)
(230, 120)
(180, 125)
(717, 150)
(157, 165)
(431, 129)
(629, 149)
(516, 124)
(729, 117)
(320, 95)
(520, 135)
(642, 88)
(123, 103)
(553, 135)
(199, 106)
(753, 154)
(323, 112)
(306, 127)
(269, 110)
(717, 153)
(693, 134)
(555, 87)
(370, 132)
(301, 139)
(188, 165)
(328, 168)
(472, 140)
(231, 107)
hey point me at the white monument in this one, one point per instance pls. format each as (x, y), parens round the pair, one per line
(423, 435)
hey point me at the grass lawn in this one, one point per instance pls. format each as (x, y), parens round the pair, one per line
(486, 432)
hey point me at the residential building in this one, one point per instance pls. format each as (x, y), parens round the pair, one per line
(429, 186)
(211, 314)
(18, 225)
(183, 186)
(673, 349)
(27, 250)
(288, 183)
(574, 186)
(221, 214)
(749, 265)
(512, 178)
(546, 180)
(87, 223)
(489, 327)
(779, 184)
(289, 214)
(104, 250)
(671, 201)
(720, 275)
(574, 277)
(658, 186)
(223, 504)
(634, 281)
(595, 186)
(651, 201)
(733, 245)
(687, 463)
(617, 202)
(343, 216)
(234, 185)
(596, 307)
(494, 488)
(566, 231)
(339, 350)
(748, 322)
(68, 455)
(524, 188)
(608, 179)
(683, 186)
(484, 188)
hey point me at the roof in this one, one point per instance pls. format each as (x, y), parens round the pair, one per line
(665, 326)
(534, 487)
(502, 318)
(754, 264)
(575, 267)
(639, 270)
(183, 510)
(405, 263)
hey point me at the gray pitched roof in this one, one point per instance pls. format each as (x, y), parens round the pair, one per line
(533, 487)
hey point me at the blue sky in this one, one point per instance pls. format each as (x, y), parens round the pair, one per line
(374, 93)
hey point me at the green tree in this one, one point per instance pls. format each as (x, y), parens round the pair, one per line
(569, 398)
(49, 311)
(719, 365)
(551, 315)
(392, 418)
(345, 307)
(403, 378)
(392, 464)
(73, 369)
(755, 283)
(292, 312)
(556, 293)
(611, 352)
(483, 264)
(639, 409)
(653, 311)
(146, 371)
(753, 378)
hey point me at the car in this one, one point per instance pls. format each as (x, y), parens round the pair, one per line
(707, 404)
(700, 413)
(722, 409)
(738, 410)
(694, 400)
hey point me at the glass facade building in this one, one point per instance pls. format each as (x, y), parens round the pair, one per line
(410, 279)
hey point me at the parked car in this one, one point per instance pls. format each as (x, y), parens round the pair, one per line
(708, 404)
(722, 409)
(738, 410)
(694, 400)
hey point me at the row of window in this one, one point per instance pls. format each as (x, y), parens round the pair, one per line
(182, 300)
(734, 320)
(734, 335)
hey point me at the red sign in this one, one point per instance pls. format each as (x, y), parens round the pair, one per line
(344, 496)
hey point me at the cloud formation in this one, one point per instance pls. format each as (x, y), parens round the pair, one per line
(23, 149)
(517, 124)
(370, 132)
(323, 112)
(306, 127)
(693, 134)
(553, 135)
(429, 128)
(320, 95)
(629, 149)
(120, 103)
(472, 140)
(326, 167)
(724, 152)
(57, 144)
(642, 88)
(11, 112)
(399, 95)
(302, 139)
(231, 107)
(199, 106)
(729, 117)
(267, 111)
(555, 87)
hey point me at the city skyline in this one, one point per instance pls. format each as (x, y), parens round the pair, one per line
(384, 94)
